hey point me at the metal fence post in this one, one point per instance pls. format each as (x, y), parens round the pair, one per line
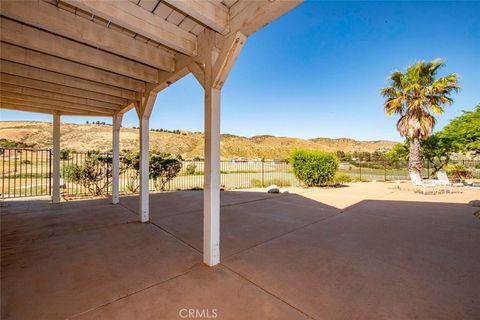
(385, 170)
(360, 166)
(263, 173)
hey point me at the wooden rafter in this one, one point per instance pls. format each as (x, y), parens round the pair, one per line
(52, 102)
(59, 96)
(55, 88)
(70, 25)
(43, 61)
(46, 77)
(25, 106)
(249, 16)
(35, 39)
(135, 18)
(211, 13)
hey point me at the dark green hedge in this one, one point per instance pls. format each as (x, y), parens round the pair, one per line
(314, 167)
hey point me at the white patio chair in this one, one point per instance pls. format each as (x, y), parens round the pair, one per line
(444, 182)
(424, 184)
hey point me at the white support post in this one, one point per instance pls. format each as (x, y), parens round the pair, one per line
(217, 63)
(144, 169)
(211, 202)
(116, 125)
(144, 107)
(56, 158)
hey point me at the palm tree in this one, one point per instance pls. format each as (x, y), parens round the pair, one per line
(417, 95)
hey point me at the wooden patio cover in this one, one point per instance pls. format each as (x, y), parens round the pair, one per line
(105, 57)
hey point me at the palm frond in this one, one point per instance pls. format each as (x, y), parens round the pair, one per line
(416, 95)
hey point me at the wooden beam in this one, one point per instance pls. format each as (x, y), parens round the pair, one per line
(59, 96)
(55, 88)
(35, 107)
(211, 13)
(45, 102)
(197, 72)
(11, 106)
(211, 189)
(249, 16)
(35, 39)
(226, 58)
(135, 18)
(111, 94)
(43, 61)
(70, 25)
(144, 106)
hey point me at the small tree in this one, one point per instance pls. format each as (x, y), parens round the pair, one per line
(314, 167)
(464, 132)
(131, 160)
(191, 169)
(378, 156)
(399, 152)
(163, 168)
(65, 153)
(94, 173)
(436, 150)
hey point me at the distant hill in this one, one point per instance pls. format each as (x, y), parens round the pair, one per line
(83, 137)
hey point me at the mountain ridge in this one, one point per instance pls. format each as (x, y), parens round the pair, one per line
(81, 137)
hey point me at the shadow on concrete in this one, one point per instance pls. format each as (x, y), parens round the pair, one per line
(284, 256)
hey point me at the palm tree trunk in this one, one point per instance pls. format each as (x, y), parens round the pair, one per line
(414, 161)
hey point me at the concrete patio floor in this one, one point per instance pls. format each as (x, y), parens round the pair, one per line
(366, 251)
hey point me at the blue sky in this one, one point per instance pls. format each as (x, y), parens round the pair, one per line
(317, 71)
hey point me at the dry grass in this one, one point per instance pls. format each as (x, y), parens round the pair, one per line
(189, 145)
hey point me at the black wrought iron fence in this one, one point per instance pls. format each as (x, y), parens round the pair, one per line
(21, 178)
(397, 170)
(28, 172)
(25, 172)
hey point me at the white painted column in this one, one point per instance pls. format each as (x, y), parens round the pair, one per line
(56, 158)
(211, 195)
(144, 169)
(116, 125)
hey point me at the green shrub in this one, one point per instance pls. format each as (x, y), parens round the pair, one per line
(163, 168)
(65, 153)
(341, 178)
(314, 167)
(458, 172)
(7, 144)
(190, 169)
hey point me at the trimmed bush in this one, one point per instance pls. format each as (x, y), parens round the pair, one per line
(314, 167)
(190, 170)
(458, 172)
(341, 178)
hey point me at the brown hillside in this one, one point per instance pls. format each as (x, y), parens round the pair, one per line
(83, 137)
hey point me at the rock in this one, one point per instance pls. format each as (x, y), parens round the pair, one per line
(273, 189)
(474, 203)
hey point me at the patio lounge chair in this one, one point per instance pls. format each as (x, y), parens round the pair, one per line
(424, 184)
(444, 182)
